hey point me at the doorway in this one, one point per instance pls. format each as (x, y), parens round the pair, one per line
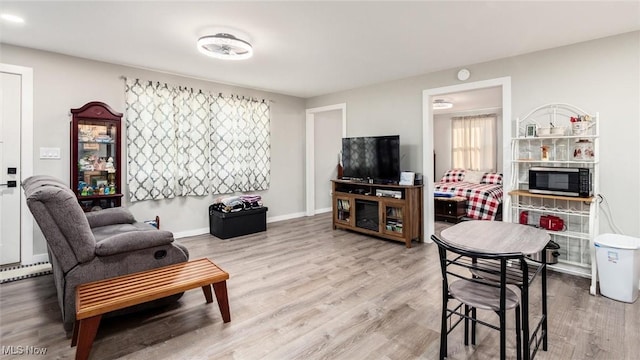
(16, 164)
(327, 146)
(310, 156)
(504, 83)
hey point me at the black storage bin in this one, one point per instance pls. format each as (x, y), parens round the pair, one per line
(243, 222)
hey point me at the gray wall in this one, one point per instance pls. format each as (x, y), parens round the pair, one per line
(442, 144)
(327, 142)
(599, 76)
(63, 82)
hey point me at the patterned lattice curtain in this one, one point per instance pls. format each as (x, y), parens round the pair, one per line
(184, 142)
(151, 140)
(192, 156)
(240, 145)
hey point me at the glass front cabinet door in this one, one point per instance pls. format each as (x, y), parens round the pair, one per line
(96, 161)
(343, 211)
(393, 219)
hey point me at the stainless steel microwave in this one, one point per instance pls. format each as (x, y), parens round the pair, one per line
(561, 181)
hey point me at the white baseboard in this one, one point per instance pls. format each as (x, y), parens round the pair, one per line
(41, 258)
(286, 217)
(23, 271)
(187, 233)
(201, 231)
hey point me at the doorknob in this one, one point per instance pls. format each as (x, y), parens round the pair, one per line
(10, 184)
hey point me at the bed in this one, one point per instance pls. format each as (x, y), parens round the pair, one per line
(483, 191)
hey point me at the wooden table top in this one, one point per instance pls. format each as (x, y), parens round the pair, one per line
(496, 237)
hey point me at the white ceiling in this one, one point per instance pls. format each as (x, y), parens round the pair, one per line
(488, 99)
(312, 48)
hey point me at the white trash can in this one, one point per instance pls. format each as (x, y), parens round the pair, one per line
(618, 260)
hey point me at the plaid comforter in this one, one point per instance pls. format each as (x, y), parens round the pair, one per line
(482, 199)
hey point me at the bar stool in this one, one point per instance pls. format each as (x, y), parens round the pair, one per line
(474, 293)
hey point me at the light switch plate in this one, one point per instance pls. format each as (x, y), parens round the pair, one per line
(49, 153)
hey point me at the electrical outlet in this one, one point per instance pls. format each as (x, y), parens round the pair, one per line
(49, 153)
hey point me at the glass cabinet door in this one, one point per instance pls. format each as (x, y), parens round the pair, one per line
(96, 158)
(393, 221)
(95, 164)
(344, 211)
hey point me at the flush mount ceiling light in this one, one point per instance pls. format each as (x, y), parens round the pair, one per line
(225, 46)
(439, 104)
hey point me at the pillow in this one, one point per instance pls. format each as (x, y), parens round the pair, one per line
(453, 175)
(473, 176)
(492, 179)
(110, 216)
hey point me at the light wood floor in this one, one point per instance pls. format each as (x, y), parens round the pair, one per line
(304, 291)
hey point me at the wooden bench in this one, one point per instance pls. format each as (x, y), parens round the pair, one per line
(100, 297)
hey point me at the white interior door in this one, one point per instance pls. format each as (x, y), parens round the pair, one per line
(10, 121)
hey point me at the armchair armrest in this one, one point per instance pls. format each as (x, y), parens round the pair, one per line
(132, 241)
(110, 216)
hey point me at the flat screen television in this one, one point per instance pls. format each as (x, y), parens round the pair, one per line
(371, 157)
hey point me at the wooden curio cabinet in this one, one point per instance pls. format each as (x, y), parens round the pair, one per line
(96, 161)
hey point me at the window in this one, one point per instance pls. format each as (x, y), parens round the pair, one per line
(182, 141)
(473, 142)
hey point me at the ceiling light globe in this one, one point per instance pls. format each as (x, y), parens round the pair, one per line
(440, 104)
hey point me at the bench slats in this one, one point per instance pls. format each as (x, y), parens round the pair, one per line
(144, 280)
(117, 293)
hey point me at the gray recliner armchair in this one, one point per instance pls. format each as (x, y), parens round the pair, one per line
(85, 247)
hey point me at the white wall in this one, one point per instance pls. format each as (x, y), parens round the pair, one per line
(328, 143)
(63, 82)
(599, 76)
(442, 144)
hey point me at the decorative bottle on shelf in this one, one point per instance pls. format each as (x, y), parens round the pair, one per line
(561, 152)
(544, 153)
(340, 165)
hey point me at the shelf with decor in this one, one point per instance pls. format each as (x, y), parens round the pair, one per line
(95, 161)
(555, 182)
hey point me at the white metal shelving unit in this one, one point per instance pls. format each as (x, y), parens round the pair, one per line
(580, 215)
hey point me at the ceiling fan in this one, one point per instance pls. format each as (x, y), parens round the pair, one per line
(225, 46)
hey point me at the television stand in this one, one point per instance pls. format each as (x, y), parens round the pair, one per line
(393, 212)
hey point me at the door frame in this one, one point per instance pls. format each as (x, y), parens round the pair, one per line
(427, 139)
(27, 256)
(310, 151)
